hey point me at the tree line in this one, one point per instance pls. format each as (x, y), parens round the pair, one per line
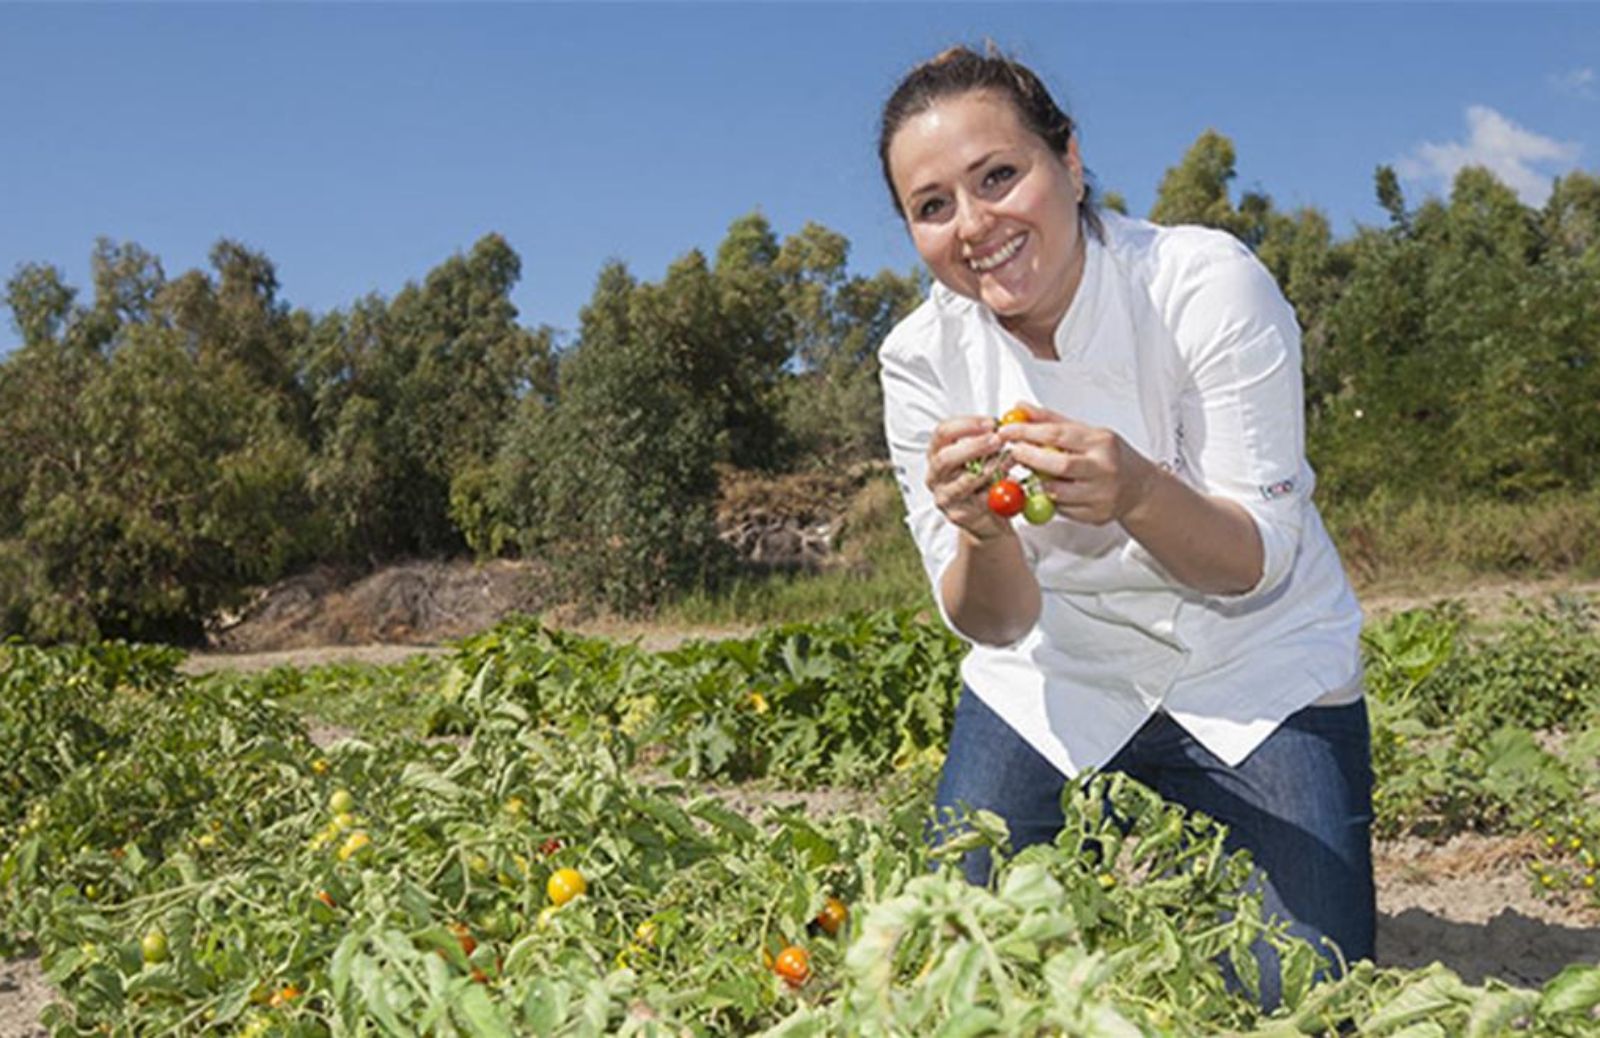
(173, 441)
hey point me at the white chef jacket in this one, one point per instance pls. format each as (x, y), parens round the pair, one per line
(1180, 341)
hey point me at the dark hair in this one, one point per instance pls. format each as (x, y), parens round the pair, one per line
(961, 70)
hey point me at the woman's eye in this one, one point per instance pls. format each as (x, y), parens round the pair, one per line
(930, 208)
(999, 175)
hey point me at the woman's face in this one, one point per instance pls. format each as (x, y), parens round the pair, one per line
(992, 210)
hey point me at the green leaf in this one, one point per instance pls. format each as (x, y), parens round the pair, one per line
(730, 822)
(1575, 989)
(368, 979)
(1496, 1010)
(1431, 993)
(480, 1016)
(420, 776)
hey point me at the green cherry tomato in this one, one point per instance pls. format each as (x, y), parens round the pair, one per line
(153, 947)
(1005, 498)
(1039, 509)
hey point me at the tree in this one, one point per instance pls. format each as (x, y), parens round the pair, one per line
(410, 400)
(832, 405)
(1390, 197)
(188, 491)
(1195, 191)
(755, 339)
(1571, 218)
(621, 480)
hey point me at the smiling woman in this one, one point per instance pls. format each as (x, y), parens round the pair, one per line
(992, 210)
(1174, 610)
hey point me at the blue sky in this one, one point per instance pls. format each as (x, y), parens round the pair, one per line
(360, 145)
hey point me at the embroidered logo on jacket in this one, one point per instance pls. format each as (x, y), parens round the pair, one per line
(1273, 491)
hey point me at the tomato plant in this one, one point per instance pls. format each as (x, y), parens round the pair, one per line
(211, 845)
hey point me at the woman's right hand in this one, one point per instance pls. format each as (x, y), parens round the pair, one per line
(959, 492)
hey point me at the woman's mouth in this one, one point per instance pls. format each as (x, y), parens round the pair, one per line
(984, 264)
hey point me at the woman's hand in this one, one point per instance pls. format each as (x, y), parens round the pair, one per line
(1091, 474)
(963, 459)
(1207, 543)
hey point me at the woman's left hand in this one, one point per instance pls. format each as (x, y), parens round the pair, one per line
(1091, 474)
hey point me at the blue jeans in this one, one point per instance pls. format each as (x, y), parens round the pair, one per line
(1301, 804)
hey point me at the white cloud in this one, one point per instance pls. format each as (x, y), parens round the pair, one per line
(1578, 82)
(1507, 150)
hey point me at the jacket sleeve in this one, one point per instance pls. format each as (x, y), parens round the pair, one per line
(914, 401)
(1242, 419)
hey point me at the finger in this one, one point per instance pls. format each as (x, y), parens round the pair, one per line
(959, 454)
(964, 482)
(1037, 412)
(953, 429)
(1079, 502)
(1056, 433)
(1048, 462)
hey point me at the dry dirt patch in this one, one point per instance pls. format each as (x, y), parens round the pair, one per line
(1469, 903)
(23, 996)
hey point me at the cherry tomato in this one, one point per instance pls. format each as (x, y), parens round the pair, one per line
(1014, 416)
(833, 915)
(564, 885)
(549, 847)
(1005, 498)
(463, 935)
(793, 965)
(327, 899)
(357, 845)
(284, 995)
(1039, 509)
(153, 947)
(341, 802)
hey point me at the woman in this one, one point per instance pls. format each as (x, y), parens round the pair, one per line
(1184, 617)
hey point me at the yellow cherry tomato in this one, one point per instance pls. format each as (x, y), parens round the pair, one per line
(564, 885)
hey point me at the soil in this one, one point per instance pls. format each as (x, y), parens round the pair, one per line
(1467, 903)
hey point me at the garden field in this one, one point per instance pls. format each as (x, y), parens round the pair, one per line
(540, 832)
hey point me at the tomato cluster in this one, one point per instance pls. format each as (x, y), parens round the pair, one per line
(1009, 498)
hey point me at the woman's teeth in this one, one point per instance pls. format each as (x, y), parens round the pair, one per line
(999, 256)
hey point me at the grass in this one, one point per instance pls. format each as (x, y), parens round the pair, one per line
(1419, 546)
(1422, 544)
(878, 568)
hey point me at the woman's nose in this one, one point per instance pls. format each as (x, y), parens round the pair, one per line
(974, 221)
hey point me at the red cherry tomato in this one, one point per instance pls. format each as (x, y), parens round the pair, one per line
(1006, 498)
